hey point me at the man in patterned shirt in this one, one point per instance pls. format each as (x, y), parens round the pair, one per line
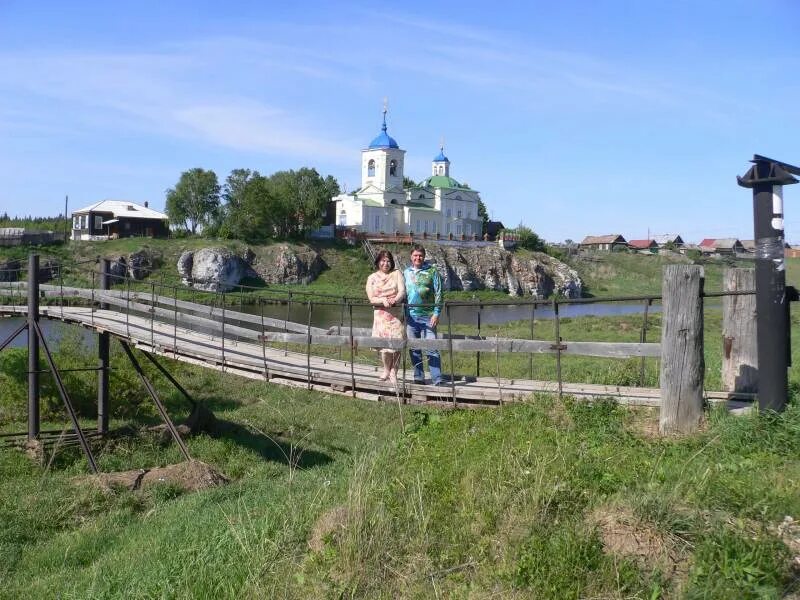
(424, 297)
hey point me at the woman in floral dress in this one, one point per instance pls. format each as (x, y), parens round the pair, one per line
(386, 291)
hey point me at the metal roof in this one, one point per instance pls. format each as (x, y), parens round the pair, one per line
(122, 208)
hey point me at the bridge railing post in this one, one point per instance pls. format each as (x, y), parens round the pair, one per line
(103, 345)
(682, 361)
(557, 329)
(33, 348)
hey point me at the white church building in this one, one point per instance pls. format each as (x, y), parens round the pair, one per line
(381, 205)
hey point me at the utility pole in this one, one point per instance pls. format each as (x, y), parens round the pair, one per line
(766, 178)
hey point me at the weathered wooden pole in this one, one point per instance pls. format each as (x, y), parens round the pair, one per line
(103, 345)
(682, 362)
(739, 347)
(766, 178)
(33, 347)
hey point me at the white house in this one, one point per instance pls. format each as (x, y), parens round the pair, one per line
(439, 205)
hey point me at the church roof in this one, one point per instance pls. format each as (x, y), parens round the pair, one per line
(441, 181)
(441, 157)
(383, 140)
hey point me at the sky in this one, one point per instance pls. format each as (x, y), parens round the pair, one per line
(575, 118)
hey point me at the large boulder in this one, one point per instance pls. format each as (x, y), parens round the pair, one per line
(493, 268)
(211, 269)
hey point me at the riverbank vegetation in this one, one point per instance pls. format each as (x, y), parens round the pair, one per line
(335, 497)
(347, 267)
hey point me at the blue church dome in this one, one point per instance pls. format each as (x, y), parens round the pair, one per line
(384, 140)
(441, 157)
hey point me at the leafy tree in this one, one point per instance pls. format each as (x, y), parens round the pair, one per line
(408, 182)
(194, 200)
(233, 218)
(484, 215)
(526, 238)
(287, 204)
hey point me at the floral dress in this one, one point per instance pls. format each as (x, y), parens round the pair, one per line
(386, 322)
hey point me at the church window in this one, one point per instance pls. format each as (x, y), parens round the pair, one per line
(371, 168)
(458, 228)
(447, 228)
(441, 170)
(458, 197)
(422, 196)
(469, 229)
(343, 218)
(458, 214)
(377, 223)
(448, 212)
(393, 167)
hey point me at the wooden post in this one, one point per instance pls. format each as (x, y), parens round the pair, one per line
(103, 345)
(739, 342)
(682, 362)
(33, 348)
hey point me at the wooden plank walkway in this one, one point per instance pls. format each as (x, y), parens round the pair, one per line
(178, 340)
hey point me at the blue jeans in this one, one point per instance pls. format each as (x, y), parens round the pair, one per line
(419, 327)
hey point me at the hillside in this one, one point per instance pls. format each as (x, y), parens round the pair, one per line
(347, 267)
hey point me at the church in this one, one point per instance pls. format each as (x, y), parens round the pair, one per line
(439, 205)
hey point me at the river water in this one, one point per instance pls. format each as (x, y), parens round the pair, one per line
(329, 315)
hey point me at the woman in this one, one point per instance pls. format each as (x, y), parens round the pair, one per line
(385, 290)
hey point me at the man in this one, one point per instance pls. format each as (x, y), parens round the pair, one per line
(424, 297)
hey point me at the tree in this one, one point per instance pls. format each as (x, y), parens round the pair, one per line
(194, 200)
(484, 215)
(287, 204)
(526, 238)
(408, 182)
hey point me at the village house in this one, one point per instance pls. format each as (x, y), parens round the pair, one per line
(439, 205)
(669, 240)
(603, 243)
(722, 246)
(118, 218)
(649, 246)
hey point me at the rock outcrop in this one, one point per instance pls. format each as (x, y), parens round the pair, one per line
(136, 265)
(10, 269)
(466, 268)
(281, 263)
(494, 268)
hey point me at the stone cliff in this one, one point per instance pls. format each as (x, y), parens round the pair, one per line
(517, 274)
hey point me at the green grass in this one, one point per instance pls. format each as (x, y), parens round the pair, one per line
(456, 504)
(624, 274)
(400, 501)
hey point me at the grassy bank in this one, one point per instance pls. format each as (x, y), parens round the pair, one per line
(334, 497)
(347, 267)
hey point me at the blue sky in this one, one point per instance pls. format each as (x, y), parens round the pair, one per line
(575, 118)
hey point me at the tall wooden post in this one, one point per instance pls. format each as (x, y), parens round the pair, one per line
(682, 362)
(103, 344)
(33, 347)
(766, 178)
(739, 346)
